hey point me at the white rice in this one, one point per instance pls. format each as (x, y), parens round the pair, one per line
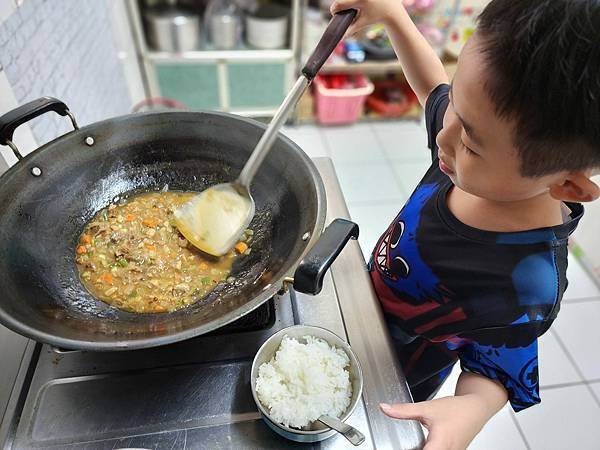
(304, 381)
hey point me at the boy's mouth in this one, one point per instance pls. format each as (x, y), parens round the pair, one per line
(445, 168)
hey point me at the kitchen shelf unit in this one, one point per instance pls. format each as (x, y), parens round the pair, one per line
(245, 81)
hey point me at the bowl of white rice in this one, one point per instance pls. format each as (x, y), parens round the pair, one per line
(301, 373)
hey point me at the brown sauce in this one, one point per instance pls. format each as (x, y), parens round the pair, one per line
(131, 256)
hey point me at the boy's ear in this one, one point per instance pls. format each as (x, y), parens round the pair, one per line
(576, 187)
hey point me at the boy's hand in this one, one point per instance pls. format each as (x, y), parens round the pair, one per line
(369, 11)
(453, 422)
(420, 64)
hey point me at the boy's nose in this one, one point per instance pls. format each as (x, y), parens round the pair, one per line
(447, 138)
(443, 142)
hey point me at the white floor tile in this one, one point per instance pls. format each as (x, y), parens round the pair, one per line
(373, 220)
(500, 433)
(449, 385)
(398, 125)
(581, 284)
(309, 139)
(568, 417)
(368, 182)
(409, 174)
(577, 327)
(403, 141)
(353, 144)
(554, 366)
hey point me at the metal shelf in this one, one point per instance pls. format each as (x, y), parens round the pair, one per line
(151, 60)
(221, 55)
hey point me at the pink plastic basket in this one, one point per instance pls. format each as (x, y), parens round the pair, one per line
(341, 106)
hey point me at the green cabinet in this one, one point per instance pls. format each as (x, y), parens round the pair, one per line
(196, 86)
(243, 85)
(256, 85)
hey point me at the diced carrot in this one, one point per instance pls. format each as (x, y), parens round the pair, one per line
(241, 247)
(203, 266)
(129, 217)
(159, 308)
(81, 250)
(150, 223)
(150, 247)
(86, 239)
(107, 278)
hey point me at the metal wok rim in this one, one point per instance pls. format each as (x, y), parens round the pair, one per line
(136, 344)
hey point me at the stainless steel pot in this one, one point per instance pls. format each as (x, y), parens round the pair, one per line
(316, 431)
(172, 29)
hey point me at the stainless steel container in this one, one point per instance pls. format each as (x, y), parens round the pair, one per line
(173, 30)
(267, 27)
(224, 31)
(316, 431)
(223, 24)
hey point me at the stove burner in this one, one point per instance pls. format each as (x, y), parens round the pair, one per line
(261, 318)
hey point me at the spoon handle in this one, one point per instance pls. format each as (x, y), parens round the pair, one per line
(266, 140)
(331, 37)
(352, 434)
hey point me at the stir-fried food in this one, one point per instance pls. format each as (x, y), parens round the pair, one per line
(132, 257)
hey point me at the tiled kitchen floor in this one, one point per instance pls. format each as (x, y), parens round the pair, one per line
(378, 166)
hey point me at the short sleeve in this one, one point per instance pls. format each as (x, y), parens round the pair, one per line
(435, 108)
(512, 360)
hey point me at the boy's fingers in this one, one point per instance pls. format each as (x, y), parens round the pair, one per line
(340, 5)
(352, 30)
(413, 411)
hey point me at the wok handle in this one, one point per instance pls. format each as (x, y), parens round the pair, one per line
(331, 37)
(24, 113)
(311, 270)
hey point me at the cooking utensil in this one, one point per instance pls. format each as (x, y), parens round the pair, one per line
(51, 194)
(352, 434)
(318, 430)
(214, 220)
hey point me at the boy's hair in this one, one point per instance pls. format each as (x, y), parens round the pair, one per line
(543, 61)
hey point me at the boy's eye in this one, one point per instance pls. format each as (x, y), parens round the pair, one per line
(467, 149)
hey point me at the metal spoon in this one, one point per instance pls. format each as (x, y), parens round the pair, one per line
(349, 432)
(214, 220)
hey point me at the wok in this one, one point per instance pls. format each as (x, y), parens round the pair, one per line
(48, 196)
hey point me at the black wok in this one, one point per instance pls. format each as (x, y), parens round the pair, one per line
(47, 198)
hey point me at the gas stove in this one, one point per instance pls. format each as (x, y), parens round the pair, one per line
(196, 393)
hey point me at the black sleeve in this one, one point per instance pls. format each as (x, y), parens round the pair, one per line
(435, 108)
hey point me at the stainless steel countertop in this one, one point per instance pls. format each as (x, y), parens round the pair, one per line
(367, 333)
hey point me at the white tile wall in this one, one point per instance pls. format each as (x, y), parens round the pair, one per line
(64, 49)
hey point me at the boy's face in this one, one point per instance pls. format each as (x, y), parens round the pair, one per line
(476, 147)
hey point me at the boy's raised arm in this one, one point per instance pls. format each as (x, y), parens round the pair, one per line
(422, 67)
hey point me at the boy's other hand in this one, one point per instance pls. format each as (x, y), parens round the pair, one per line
(453, 422)
(369, 11)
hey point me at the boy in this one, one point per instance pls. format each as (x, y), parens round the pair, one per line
(474, 266)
